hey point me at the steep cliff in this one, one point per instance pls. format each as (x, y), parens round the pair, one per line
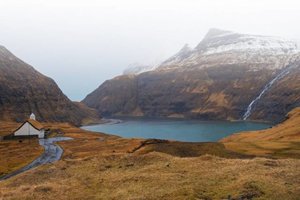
(24, 90)
(216, 80)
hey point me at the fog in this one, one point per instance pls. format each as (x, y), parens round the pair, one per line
(81, 43)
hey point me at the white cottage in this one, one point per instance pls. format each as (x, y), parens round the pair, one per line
(31, 127)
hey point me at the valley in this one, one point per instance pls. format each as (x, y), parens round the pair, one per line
(226, 78)
(94, 164)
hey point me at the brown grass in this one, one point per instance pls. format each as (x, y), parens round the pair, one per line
(282, 140)
(100, 166)
(157, 176)
(15, 155)
(7, 128)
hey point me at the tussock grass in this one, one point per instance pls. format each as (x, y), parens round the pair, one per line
(15, 154)
(158, 176)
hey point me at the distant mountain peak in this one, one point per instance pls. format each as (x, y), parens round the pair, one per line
(218, 41)
(228, 47)
(183, 53)
(137, 68)
(185, 48)
(215, 32)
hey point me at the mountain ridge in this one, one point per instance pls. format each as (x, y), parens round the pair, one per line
(217, 86)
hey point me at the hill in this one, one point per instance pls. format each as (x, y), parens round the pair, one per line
(24, 90)
(279, 141)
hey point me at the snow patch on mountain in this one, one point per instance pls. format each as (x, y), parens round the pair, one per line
(184, 53)
(136, 68)
(257, 44)
(221, 47)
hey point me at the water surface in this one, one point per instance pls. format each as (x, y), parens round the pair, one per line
(181, 130)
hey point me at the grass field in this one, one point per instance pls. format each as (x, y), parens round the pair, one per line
(100, 166)
(280, 141)
(15, 154)
(156, 175)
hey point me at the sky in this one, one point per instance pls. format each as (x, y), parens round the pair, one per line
(82, 43)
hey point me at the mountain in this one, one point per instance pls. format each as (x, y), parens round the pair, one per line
(219, 79)
(24, 90)
(138, 69)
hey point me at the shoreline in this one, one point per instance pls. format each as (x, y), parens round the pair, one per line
(103, 121)
(165, 129)
(121, 119)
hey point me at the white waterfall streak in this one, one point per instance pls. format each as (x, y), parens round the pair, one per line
(282, 74)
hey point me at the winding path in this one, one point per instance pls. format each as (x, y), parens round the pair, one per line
(52, 153)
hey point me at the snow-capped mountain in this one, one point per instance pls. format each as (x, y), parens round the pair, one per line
(137, 68)
(226, 47)
(184, 53)
(227, 75)
(218, 41)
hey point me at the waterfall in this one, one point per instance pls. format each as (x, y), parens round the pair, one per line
(282, 74)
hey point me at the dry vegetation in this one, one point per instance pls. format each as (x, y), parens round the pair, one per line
(15, 154)
(100, 166)
(280, 141)
(157, 176)
(8, 127)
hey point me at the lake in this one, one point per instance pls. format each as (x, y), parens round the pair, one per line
(181, 130)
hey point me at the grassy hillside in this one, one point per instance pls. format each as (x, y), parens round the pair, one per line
(281, 140)
(100, 166)
(25, 90)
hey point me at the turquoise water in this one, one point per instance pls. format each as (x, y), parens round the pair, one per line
(181, 130)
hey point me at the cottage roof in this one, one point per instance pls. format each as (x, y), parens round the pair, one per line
(35, 124)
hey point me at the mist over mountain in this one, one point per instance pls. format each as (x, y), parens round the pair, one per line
(218, 79)
(137, 68)
(24, 91)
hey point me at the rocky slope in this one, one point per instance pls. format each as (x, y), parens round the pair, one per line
(216, 80)
(24, 90)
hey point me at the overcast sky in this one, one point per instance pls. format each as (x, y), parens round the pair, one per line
(81, 43)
